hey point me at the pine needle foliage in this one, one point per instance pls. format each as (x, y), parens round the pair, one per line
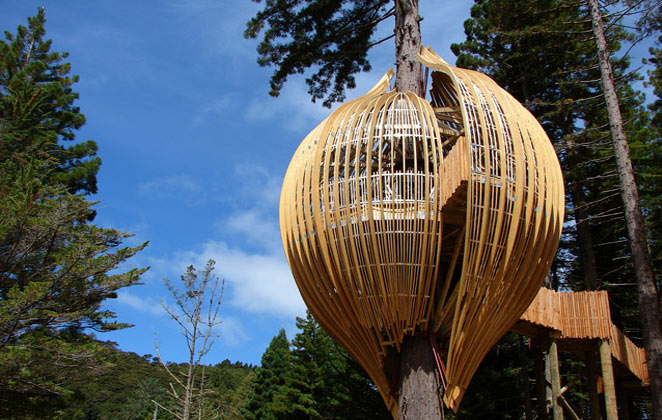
(332, 37)
(56, 268)
(315, 378)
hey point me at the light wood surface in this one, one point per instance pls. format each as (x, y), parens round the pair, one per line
(586, 315)
(403, 216)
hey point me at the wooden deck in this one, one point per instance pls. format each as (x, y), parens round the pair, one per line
(577, 319)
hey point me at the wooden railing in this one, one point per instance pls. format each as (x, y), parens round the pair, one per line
(586, 315)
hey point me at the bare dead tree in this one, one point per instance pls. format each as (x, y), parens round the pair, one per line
(197, 303)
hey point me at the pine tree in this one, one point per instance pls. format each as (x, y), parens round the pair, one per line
(331, 36)
(544, 52)
(335, 36)
(319, 380)
(38, 114)
(56, 269)
(649, 155)
(269, 381)
(649, 300)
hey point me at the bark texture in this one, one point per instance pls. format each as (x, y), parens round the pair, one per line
(418, 393)
(418, 390)
(584, 235)
(409, 72)
(648, 297)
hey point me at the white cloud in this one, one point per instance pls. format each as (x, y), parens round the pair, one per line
(181, 187)
(259, 186)
(258, 278)
(219, 25)
(216, 109)
(257, 283)
(145, 305)
(232, 331)
(292, 110)
(256, 227)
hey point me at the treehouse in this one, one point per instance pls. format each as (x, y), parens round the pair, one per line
(403, 216)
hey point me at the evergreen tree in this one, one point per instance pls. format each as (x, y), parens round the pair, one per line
(538, 52)
(332, 36)
(38, 112)
(335, 36)
(648, 156)
(270, 377)
(319, 380)
(324, 382)
(55, 267)
(231, 382)
(545, 54)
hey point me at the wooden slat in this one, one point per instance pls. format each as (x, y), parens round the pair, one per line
(629, 355)
(586, 315)
(401, 217)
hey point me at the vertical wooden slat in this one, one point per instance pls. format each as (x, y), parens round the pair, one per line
(373, 190)
(553, 355)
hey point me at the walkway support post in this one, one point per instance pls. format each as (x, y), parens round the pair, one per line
(592, 375)
(608, 381)
(557, 410)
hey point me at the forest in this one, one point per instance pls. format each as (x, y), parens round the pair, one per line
(58, 267)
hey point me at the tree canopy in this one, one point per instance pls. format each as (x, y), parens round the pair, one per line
(331, 36)
(314, 379)
(56, 268)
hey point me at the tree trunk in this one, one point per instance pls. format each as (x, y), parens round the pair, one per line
(524, 374)
(409, 72)
(418, 389)
(584, 235)
(648, 298)
(418, 396)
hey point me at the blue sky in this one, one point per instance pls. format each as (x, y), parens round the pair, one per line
(194, 151)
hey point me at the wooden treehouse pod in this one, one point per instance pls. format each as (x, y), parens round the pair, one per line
(401, 216)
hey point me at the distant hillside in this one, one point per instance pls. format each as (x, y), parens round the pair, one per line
(125, 390)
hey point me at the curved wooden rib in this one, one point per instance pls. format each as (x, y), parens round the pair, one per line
(401, 217)
(515, 207)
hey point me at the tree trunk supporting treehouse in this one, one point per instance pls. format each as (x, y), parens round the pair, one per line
(418, 390)
(409, 71)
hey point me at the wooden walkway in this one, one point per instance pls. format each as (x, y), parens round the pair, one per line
(576, 320)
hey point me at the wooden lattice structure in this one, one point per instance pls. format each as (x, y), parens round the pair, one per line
(579, 317)
(401, 216)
